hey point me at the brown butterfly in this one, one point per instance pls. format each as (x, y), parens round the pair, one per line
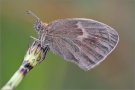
(85, 42)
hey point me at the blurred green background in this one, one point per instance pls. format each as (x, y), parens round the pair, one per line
(116, 72)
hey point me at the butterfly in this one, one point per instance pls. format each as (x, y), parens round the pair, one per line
(85, 42)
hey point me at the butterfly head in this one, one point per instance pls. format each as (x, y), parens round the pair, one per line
(38, 25)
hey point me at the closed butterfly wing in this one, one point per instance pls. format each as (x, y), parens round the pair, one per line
(85, 42)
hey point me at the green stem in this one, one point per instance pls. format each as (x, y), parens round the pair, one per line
(35, 55)
(15, 79)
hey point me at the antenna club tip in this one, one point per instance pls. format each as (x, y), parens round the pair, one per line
(28, 12)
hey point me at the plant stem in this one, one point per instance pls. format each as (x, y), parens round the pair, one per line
(34, 56)
(15, 79)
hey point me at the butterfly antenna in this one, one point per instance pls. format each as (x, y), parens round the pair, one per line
(30, 13)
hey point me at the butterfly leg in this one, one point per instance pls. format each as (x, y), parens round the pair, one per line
(35, 38)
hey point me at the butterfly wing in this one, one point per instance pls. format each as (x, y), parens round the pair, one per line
(85, 42)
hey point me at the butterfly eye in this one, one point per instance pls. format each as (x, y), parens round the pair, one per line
(38, 25)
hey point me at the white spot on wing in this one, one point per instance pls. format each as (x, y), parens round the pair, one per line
(85, 34)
